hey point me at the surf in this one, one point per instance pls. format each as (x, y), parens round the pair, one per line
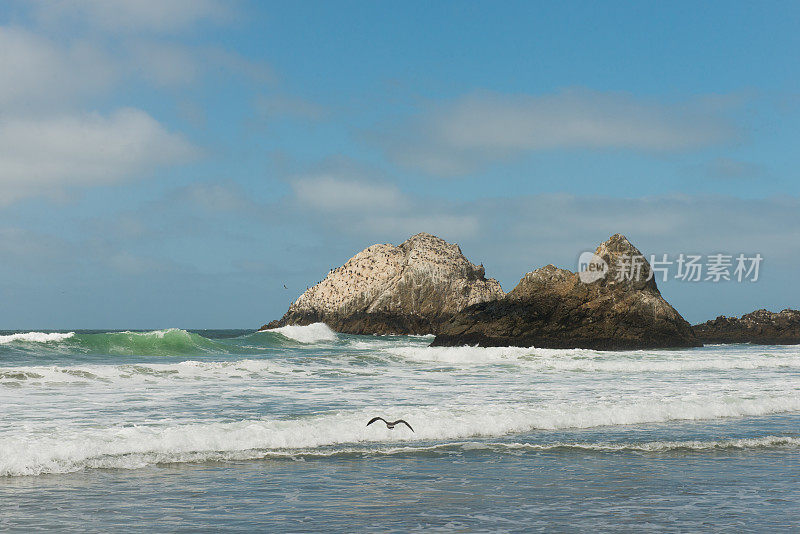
(35, 337)
(313, 333)
(164, 342)
(135, 446)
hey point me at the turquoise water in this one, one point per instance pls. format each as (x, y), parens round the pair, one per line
(233, 430)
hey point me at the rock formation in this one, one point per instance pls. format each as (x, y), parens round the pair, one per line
(387, 289)
(554, 308)
(761, 326)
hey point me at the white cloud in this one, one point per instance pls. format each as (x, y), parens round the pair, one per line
(130, 16)
(331, 193)
(44, 156)
(376, 209)
(379, 210)
(529, 231)
(575, 119)
(460, 136)
(46, 146)
(43, 70)
(37, 71)
(539, 229)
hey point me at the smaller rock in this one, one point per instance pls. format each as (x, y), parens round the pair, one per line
(554, 308)
(761, 327)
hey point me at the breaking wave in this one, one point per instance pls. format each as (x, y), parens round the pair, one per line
(766, 442)
(172, 341)
(313, 333)
(65, 462)
(35, 337)
(155, 343)
(585, 360)
(130, 447)
(129, 374)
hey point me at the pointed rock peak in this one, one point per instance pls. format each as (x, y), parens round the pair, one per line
(626, 264)
(429, 243)
(424, 239)
(424, 236)
(617, 244)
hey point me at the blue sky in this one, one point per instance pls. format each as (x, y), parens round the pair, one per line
(176, 163)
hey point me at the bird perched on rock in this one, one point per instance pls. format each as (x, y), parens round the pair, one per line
(389, 424)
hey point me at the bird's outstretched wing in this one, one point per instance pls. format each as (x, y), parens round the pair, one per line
(401, 421)
(376, 419)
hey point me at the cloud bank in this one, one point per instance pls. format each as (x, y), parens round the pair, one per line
(134, 15)
(44, 156)
(463, 135)
(37, 71)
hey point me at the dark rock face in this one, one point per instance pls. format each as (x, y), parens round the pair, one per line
(385, 289)
(761, 326)
(554, 308)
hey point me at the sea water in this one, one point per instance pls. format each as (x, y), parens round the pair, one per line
(173, 430)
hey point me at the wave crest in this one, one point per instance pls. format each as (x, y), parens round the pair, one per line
(313, 333)
(154, 343)
(36, 337)
(129, 447)
(585, 360)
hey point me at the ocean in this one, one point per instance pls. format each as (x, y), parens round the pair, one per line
(192, 431)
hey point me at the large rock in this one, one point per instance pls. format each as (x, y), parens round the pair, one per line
(761, 327)
(554, 308)
(385, 289)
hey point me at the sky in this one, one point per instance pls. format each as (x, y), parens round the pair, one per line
(176, 163)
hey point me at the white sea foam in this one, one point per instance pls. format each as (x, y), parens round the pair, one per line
(313, 333)
(71, 449)
(460, 355)
(314, 399)
(655, 446)
(584, 360)
(154, 333)
(366, 344)
(36, 337)
(131, 374)
(169, 450)
(558, 363)
(644, 366)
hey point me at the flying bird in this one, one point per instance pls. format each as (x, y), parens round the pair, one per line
(389, 424)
